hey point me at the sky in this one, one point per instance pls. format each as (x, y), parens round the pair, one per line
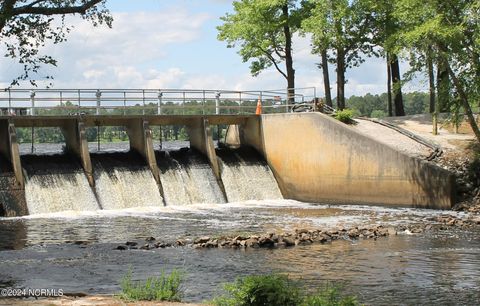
(173, 44)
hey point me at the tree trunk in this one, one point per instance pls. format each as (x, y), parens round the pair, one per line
(340, 79)
(326, 79)
(464, 99)
(443, 87)
(397, 86)
(389, 88)
(433, 107)
(288, 56)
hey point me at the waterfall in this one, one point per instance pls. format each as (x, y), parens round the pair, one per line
(56, 183)
(247, 176)
(187, 178)
(123, 180)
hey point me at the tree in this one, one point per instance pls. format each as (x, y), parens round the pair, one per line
(263, 30)
(342, 27)
(384, 26)
(451, 29)
(27, 25)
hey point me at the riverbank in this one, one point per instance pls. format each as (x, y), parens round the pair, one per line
(105, 300)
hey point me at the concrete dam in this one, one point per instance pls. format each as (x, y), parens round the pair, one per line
(307, 157)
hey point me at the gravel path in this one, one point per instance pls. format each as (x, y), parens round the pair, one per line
(422, 126)
(392, 138)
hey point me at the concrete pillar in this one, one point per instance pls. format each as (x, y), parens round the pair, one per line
(232, 139)
(141, 140)
(9, 149)
(12, 187)
(77, 144)
(251, 134)
(201, 139)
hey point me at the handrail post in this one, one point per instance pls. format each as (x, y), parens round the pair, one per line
(240, 103)
(217, 103)
(32, 100)
(159, 108)
(98, 94)
(124, 103)
(79, 102)
(9, 102)
(183, 104)
(143, 101)
(203, 103)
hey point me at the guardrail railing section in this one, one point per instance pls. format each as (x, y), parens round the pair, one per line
(61, 102)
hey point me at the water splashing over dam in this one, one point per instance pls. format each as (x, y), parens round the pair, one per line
(247, 176)
(122, 180)
(56, 183)
(187, 178)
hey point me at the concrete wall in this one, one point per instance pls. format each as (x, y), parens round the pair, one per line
(318, 159)
(12, 185)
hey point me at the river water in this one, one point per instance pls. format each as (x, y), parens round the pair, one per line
(76, 251)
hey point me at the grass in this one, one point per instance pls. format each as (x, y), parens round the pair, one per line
(278, 290)
(166, 287)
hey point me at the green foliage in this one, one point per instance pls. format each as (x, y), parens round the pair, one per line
(415, 103)
(342, 26)
(345, 116)
(329, 296)
(28, 25)
(257, 27)
(278, 290)
(162, 288)
(378, 114)
(259, 290)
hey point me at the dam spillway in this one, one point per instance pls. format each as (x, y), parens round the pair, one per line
(307, 157)
(56, 183)
(122, 180)
(246, 176)
(187, 178)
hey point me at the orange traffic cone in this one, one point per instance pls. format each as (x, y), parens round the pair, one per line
(259, 107)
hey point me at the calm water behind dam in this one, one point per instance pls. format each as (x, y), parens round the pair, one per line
(75, 250)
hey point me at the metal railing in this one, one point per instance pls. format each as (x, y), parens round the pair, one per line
(51, 102)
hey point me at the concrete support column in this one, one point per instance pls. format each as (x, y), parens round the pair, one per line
(12, 185)
(77, 144)
(9, 149)
(141, 140)
(232, 139)
(251, 134)
(201, 139)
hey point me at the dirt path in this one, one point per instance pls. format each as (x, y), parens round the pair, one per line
(85, 301)
(422, 126)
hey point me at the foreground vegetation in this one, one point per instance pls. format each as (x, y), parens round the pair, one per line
(255, 290)
(278, 290)
(166, 287)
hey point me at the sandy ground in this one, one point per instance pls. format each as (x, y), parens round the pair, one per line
(422, 126)
(84, 301)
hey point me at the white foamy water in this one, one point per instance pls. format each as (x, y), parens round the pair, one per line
(125, 188)
(189, 182)
(56, 192)
(248, 179)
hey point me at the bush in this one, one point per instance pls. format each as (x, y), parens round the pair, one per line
(278, 290)
(345, 116)
(162, 288)
(329, 296)
(274, 290)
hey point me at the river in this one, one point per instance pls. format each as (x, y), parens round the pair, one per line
(76, 251)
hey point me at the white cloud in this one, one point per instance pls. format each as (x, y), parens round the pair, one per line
(131, 53)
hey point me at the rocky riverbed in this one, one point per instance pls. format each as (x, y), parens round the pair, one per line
(305, 236)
